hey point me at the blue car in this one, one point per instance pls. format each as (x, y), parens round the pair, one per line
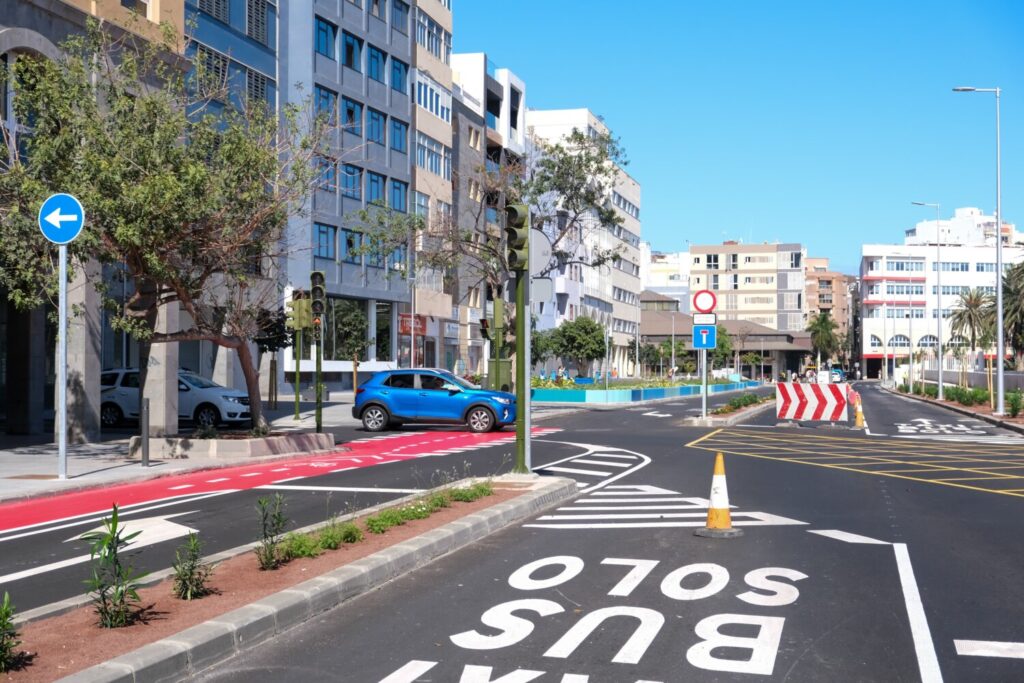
(393, 397)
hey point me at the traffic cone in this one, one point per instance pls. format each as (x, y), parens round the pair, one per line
(719, 522)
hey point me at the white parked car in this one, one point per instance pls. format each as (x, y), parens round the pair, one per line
(200, 400)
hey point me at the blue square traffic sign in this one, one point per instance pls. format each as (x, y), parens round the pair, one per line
(705, 336)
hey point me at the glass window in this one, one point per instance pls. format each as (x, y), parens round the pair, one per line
(256, 20)
(130, 380)
(326, 102)
(326, 35)
(218, 9)
(377, 10)
(399, 136)
(108, 379)
(399, 195)
(324, 240)
(375, 63)
(352, 116)
(400, 380)
(351, 241)
(422, 207)
(352, 52)
(399, 76)
(433, 156)
(328, 170)
(400, 15)
(375, 122)
(383, 336)
(374, 187)
(352, 181)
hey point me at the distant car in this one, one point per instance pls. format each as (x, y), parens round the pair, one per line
(393, 397)
(837, 375)
(204, 402)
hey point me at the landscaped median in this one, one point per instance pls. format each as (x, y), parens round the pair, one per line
(315, 569)
(631, 395)
(974, 402)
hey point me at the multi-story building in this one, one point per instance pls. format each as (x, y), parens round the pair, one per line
(358, 71)
(489, 139)
(666, 273)
(760, 283)
(38, 27)
(827, 292)
(610, 294)
(902, 308)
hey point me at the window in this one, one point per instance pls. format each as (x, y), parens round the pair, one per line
(714, 281)
(954, 267)
(626, 205)
(352, 181)
(399, 195)
(352, 52)
(904, 266)
(324, 239)
(214, 64)
(256, 20)
(794, 259)
(374, 187)
(422, 204)
(399, 76)
(400, 15)
(433, 37)
(352, 116)
(351, 241)
(399, 136)
(474, 138)
(397, 259)
(375, 64)
(436, 99)
(985, 267)
(876, 342)
(328, 171)
(899, 341)
(734, 261)
(433, 156)
(375, 122)
(256, 86)
(403, 380)
(218, 9)
(326, 35)
(929, 341)
(326, 102)
(377, 8)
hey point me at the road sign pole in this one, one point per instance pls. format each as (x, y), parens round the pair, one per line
(62, 368)
(703, 383)
(525, 406)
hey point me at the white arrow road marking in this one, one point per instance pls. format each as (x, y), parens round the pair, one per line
(989, 648)
(55, 217)
(655, 413)
(152, 530)
(846, 536)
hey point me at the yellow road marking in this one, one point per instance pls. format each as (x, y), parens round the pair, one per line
(977, 478)
(706, 436)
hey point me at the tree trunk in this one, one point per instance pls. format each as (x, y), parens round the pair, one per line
(252, 386)
(355, 377)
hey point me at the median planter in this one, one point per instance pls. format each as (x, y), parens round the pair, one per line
(251, 447)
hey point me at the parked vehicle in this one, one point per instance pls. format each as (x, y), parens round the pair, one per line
(393, 397)
(204, 402)
(837, 376)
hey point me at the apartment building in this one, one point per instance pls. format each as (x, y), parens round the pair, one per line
(27, 371)
(828, 292)
(902, 307)
(489, 138)
(610, 294)
(666, 273)
(355, 61)
(760, 283)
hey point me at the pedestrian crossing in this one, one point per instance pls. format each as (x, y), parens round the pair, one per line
(621, 506)
(597, 466)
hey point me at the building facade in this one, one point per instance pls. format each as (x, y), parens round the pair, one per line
(827, 292)
(759, 283)
(666, 273)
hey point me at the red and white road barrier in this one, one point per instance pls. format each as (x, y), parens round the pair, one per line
(821, 402)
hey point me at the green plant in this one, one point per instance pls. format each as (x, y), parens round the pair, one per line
(979, 396)
(114, 584)
(259, 431)
(10, 657)
(272, 524)
(931, 391)
(468, 494)
(205, 432)
(417, 510)
(190, 572)
(437, 500)
(296, 545)
(1014, 402)
(384, 520)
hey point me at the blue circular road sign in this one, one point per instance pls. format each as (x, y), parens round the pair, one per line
(61, 218)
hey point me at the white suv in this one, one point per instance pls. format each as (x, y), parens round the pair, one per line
(206, 403)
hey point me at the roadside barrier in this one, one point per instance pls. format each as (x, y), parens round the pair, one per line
(815, 402)
(719, 523)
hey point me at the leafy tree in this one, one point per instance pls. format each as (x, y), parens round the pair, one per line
(823, 335)
(582, 340)
(973, 316)
(186, 196)
(350, 329)
(723, 348)
(542, 346)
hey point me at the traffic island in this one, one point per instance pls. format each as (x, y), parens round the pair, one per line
(298, 443)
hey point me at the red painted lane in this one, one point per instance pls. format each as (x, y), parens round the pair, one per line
(361, 453)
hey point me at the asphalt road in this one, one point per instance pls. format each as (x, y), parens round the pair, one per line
(864, 558)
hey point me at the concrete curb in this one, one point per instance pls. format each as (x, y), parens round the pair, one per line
(183, 655)
(733, 419)
(962, 411)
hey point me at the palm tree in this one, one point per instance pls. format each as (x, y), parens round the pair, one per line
(972, 316)
(823, 335)
(1013, 311)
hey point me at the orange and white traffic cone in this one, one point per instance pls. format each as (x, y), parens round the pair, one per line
(719, 521)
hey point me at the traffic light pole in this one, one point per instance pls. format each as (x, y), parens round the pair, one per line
(522, 375)
(319, 384)
(298, 356)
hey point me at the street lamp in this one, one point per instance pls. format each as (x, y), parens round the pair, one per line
(1000, 343)
(938, 288)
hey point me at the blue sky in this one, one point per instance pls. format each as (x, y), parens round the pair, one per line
(799, 121)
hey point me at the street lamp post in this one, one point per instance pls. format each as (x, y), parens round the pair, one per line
(1000, 338)
(938, 289)
(910, 347)
(672, 370)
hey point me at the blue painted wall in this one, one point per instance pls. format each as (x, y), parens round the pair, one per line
(630, 395)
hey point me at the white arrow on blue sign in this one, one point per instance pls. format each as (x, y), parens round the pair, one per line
(61, 218)
(705, 336)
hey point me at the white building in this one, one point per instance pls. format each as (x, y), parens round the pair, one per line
(900, 301)
(610, 294)
(666, 273)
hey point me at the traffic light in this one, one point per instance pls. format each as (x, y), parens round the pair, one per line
(298, 316)
(318, 300)
(517, 232)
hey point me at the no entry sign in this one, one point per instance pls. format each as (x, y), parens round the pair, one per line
(704, 301)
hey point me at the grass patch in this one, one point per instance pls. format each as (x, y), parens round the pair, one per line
(295, 545)
(467, 494)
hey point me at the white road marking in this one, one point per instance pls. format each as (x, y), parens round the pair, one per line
(573, 470)
(599, 508)
(180, 487)
(583, 461)
(343, 469)
(655, 413)
(281, 481)
(989, 648)
(217, 480)
(252, 474)
(667, 515)
(638, 488)
(632, 500)
(846, 536)
(927, 661)
(351, 489)
(280, 469)
(615, 455)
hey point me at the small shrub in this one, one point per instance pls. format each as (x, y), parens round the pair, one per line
(190, 572)
(272, 524)
(259, 431)
(10, 657)
(979, 396)
(1014, 402)
(384, 520)
(418, 510)
(295, 545)
(205, 432)
(470, 493)
(931, 391)
(437, 500)
(351, 533)
(903, 389)
(114, 584)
